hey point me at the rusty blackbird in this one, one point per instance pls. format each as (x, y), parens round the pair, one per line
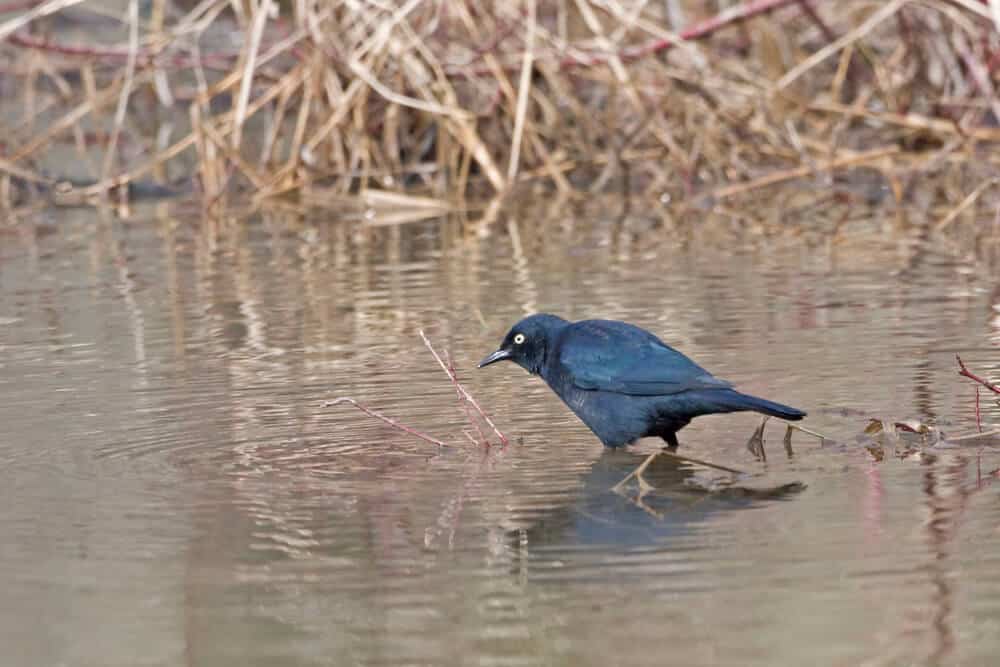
(621, 380)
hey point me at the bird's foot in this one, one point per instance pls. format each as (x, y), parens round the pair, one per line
(644, 486)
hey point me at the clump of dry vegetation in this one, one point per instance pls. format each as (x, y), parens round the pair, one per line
(693, 102)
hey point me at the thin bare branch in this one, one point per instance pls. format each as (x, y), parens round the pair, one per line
(391, 422)
(463, 392)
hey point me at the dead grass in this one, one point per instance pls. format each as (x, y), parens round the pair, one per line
(318, 103)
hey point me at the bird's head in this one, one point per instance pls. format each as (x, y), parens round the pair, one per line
(528, 342)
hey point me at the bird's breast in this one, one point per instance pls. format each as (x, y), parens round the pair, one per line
(580, 401)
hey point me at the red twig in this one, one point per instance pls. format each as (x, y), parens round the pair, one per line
(491, 46)
(494, 102)
(391, 422)
(465, 404)
(463, 392)
(747, 10)
(698, 30)
(463, 395)
(809, 11)
(732, 16)
(965, 372)
(11, 7)
(119, 53)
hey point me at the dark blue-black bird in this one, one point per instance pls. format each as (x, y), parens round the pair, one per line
(622, 381)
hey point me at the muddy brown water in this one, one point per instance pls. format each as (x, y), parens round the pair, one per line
(174, 492)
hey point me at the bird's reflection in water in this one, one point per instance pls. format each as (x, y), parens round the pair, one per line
(683, 495)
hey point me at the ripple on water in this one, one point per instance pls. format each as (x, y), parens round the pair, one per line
(169, 467)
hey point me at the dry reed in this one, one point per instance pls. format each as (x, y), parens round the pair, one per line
(327, 102)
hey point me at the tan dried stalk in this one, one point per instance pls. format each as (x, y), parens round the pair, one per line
(313, 101)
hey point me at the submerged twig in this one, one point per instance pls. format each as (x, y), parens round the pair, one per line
(803, 429)
(463, 392)
(463, 395)
(979, 416)
(788, 441)
(965, 372)
(985, 436)
(391, 422)
(468, 409)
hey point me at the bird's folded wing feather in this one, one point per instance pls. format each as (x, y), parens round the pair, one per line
(621, 358)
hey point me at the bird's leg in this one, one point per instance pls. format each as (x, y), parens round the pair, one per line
(670, 437)
(644, 486)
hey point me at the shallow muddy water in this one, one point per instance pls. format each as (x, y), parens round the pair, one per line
(174, 491)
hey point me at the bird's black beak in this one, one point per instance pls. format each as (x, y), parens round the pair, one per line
(499, 355)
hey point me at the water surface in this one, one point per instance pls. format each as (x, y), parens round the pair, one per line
(174, 491)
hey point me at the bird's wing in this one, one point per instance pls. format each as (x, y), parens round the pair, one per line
(617, 357)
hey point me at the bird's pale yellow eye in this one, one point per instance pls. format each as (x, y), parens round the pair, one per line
(518, 339)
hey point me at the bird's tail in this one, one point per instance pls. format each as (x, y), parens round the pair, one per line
(730, 400)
